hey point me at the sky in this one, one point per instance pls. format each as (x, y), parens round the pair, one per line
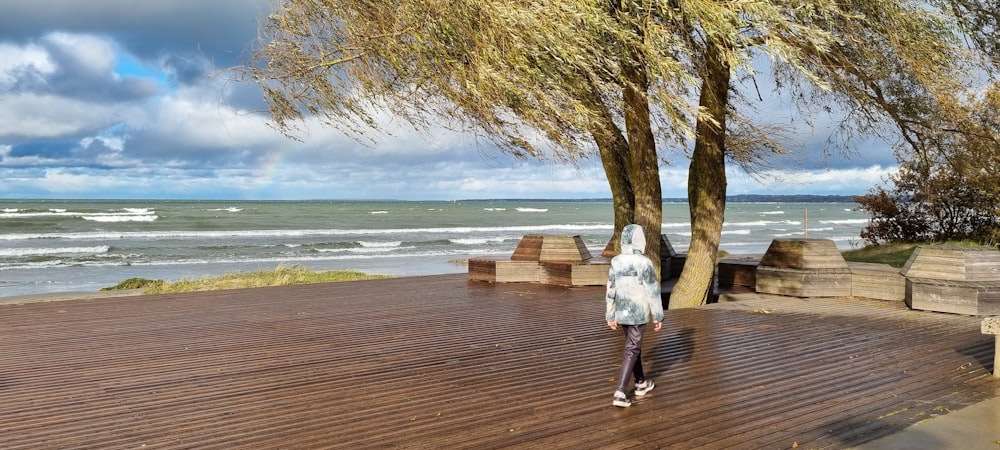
(122, 99)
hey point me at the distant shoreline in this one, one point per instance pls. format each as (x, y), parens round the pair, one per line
(741, 198)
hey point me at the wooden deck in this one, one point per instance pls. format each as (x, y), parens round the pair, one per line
(444, 362)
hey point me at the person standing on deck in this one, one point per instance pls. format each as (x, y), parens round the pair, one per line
(633, 295)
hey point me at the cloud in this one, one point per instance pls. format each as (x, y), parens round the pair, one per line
(220, 30)
(23, 66)
(116, 98)
(847, 181)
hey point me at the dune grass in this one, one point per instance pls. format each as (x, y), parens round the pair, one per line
(281, 276)
(893, 254)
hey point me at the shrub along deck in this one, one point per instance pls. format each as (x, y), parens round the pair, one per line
(444, 362)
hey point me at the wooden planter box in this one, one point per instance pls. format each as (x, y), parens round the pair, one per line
(803, 268)
(954, 279)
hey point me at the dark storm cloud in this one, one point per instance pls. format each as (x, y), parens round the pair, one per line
(44, 149)
(218, 31)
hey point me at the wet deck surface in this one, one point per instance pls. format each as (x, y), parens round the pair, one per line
(442, 362)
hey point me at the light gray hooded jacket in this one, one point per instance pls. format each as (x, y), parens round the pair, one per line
(633, 290)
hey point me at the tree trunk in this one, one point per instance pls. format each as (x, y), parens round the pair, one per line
(645, 173)
(615, 157)
(706, 186)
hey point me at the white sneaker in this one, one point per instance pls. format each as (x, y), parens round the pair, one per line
(644, 387)
(621, 400)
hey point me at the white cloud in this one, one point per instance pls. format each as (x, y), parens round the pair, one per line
(34, 116)
(15, 60)
(841, 181)
(74, 127)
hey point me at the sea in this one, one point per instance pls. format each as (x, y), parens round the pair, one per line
(54, 246)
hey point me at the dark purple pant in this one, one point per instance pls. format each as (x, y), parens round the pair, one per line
(632, 361)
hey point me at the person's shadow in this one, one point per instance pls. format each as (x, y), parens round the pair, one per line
(672, 349)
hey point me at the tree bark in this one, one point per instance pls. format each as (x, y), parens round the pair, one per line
(614, 150)
(706, 186)
(645, 171)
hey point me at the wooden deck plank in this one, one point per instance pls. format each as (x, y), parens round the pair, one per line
(444, 362)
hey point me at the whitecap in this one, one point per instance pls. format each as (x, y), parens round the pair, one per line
(52, 251)
(846, 221)
(384, 249)
(475, 241)
(369, 244)
(119, 218)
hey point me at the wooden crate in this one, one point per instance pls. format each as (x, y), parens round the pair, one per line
(877, 281)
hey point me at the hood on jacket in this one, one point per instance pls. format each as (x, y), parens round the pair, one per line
(633, 240)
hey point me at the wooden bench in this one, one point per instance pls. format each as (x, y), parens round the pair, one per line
(991, 325)
(559, 260)
(803, 268)
(592, 272)
(877, 281)
(737, 272)
(547, 259)
(954, 279)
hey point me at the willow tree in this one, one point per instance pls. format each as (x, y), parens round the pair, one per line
(897, 67)
(541, 80)
(617, 79)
